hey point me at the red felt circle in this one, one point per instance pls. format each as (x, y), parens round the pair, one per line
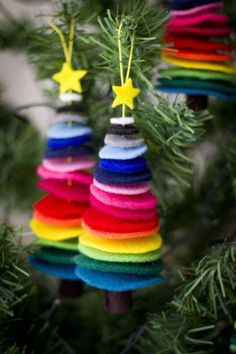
(195, 43)
(97, 220)
(58, 208)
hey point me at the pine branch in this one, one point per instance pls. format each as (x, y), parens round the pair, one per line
(171, 131)
(194, 321)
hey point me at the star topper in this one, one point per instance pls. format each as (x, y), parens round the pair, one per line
(69, 78)
(125, 94)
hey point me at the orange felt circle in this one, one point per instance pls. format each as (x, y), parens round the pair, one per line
(120, 236)
(57, 222)
(197, 55)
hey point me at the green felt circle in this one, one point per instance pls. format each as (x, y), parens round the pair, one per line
(228, 89)
(116, 267)
(53, 255)
(198, 74)
(71, 244)
(115, 257)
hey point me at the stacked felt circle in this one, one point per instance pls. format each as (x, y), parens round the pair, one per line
(57, 216)
(198, 49)
(120, 247)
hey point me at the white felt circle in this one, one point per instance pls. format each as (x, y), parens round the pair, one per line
(69, 97)
(70, 117)
(122, 121)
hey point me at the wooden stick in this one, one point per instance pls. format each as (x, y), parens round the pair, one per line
(70, 289)
(118, 302)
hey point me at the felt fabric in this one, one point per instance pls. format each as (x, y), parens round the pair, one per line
(192, 91)
(69, 97)
(143, 201)
(77, 176)
(127, 166)
(228, 69)
(65, 143)
(198, 9)
(116, 257)
(197, 44)
(66, 272)
(67, 130)
(199, 74)
(71, 117)
(123, 141)
(97, 220)
(57, 222)
(118, 267)
(199, 31)
(130, 246)
(61, 209)
(121, 178)
(112, 235)
(128, 190)
(57, 256)
(74, 108)
(70, 151)
(70, 244)
(208, 85)
(68, 164)
(54, 233)
(122, 120)
(122, 213)
(125, 94)
(60, 189)
(117, 281)
(125, 130)
(198, 19)
(116, 153)
(197, 55)
(188, 4)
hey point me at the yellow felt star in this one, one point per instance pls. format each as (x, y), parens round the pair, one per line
(69, 79)
(125, 94)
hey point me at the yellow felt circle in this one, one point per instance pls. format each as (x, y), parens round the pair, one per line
(229, 69)
(54, 233)
(131, 246)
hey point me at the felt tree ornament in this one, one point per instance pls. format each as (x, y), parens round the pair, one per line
(65, 178)
(199, 52)
(120, 248)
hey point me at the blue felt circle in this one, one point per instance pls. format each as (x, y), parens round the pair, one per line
(65, 272)
(188, 4)
(127, 166)
(117, 281)
(117, 153)
(117, 178)
(196, 91)
(64, 143)
(71, 151)
(65, 130)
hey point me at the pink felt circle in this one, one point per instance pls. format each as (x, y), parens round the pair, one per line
(127, 190)
(126, 214)
(217, 19)
(80, 176)
(64, 164)
(62, 189)
(198, 9)
(142, 201)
